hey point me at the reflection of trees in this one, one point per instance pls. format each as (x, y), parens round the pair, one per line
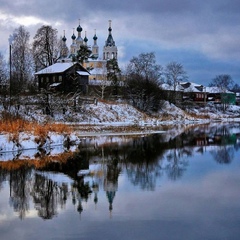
(3, 177)
(143, 174)
(176, 164)
(145, 159)
(223, 154)
(47, 195)
(20, 187)
(142, 161)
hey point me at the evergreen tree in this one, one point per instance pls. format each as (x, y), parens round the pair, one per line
(83, 54)
(114, 75)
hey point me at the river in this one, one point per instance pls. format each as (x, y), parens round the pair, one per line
(153, 186)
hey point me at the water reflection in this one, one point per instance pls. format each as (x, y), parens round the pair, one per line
(97, 166)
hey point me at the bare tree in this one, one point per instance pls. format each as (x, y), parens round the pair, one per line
(145, 66)
(3, 70)
(21, 60)
(223, 83)
(143, 76)
(3, 81)
(45, 47)
(235, 88)
(174, 73)
(102, 83)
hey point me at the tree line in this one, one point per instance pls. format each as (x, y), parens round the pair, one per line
(140, 81)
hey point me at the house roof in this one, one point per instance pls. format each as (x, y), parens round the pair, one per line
(83, 73)
(216, 90)
(96, 71)
(166, 86)
(192, 88)
(59, 68)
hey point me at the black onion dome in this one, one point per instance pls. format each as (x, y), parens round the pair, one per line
(95, 37)
(64, 39)
(73, 37)
(79, 28)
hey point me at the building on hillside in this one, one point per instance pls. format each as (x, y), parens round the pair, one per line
(238, 98)
(64, 77)
(192, 92)
(110, 49)
(171, 94)
(218, 95)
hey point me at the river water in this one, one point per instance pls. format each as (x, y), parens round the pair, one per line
(171, 185)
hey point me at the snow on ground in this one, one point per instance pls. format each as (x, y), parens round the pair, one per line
(92, 118)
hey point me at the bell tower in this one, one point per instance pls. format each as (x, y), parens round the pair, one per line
(109, 49)
(95, 46)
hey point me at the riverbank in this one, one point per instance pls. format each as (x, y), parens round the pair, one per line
(64, 132)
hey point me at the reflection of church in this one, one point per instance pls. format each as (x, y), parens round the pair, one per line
(111, 181)
(95, 61)
(105, 178)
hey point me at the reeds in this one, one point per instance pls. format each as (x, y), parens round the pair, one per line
(14, 127)
(21, 125)
(37, 163)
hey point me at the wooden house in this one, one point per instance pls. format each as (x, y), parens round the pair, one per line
(218, 95)
(64, 76)
(193, 92)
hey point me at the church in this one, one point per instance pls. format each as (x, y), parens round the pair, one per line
(96, 61)
(66, 75)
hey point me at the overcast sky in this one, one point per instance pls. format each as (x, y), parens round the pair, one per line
(204, 36)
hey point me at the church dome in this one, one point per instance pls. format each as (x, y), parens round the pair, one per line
(85, 39)
(73, 37)
(79, 28)
(64, 39)
(95, 37)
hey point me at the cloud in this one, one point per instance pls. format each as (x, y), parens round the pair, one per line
(210, 29)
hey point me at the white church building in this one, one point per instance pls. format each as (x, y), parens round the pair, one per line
(96, 64)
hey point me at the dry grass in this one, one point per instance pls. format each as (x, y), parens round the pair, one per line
(20, 125)
(198, 116)
(14, 127)
(37, 163)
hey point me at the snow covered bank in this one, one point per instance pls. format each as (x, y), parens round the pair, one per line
(27, 145)
(117, 114)
(108, 119)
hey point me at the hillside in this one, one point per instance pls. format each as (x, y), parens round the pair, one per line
(101, 121)
(124, 114)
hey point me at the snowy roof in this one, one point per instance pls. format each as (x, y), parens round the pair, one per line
(192, 88)
(183, 87)
(55, 84)
(166, 86)
(100, 82)
(83, 73)
(56, 68)
(216, 90)
(60, 67)
(96, 71)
